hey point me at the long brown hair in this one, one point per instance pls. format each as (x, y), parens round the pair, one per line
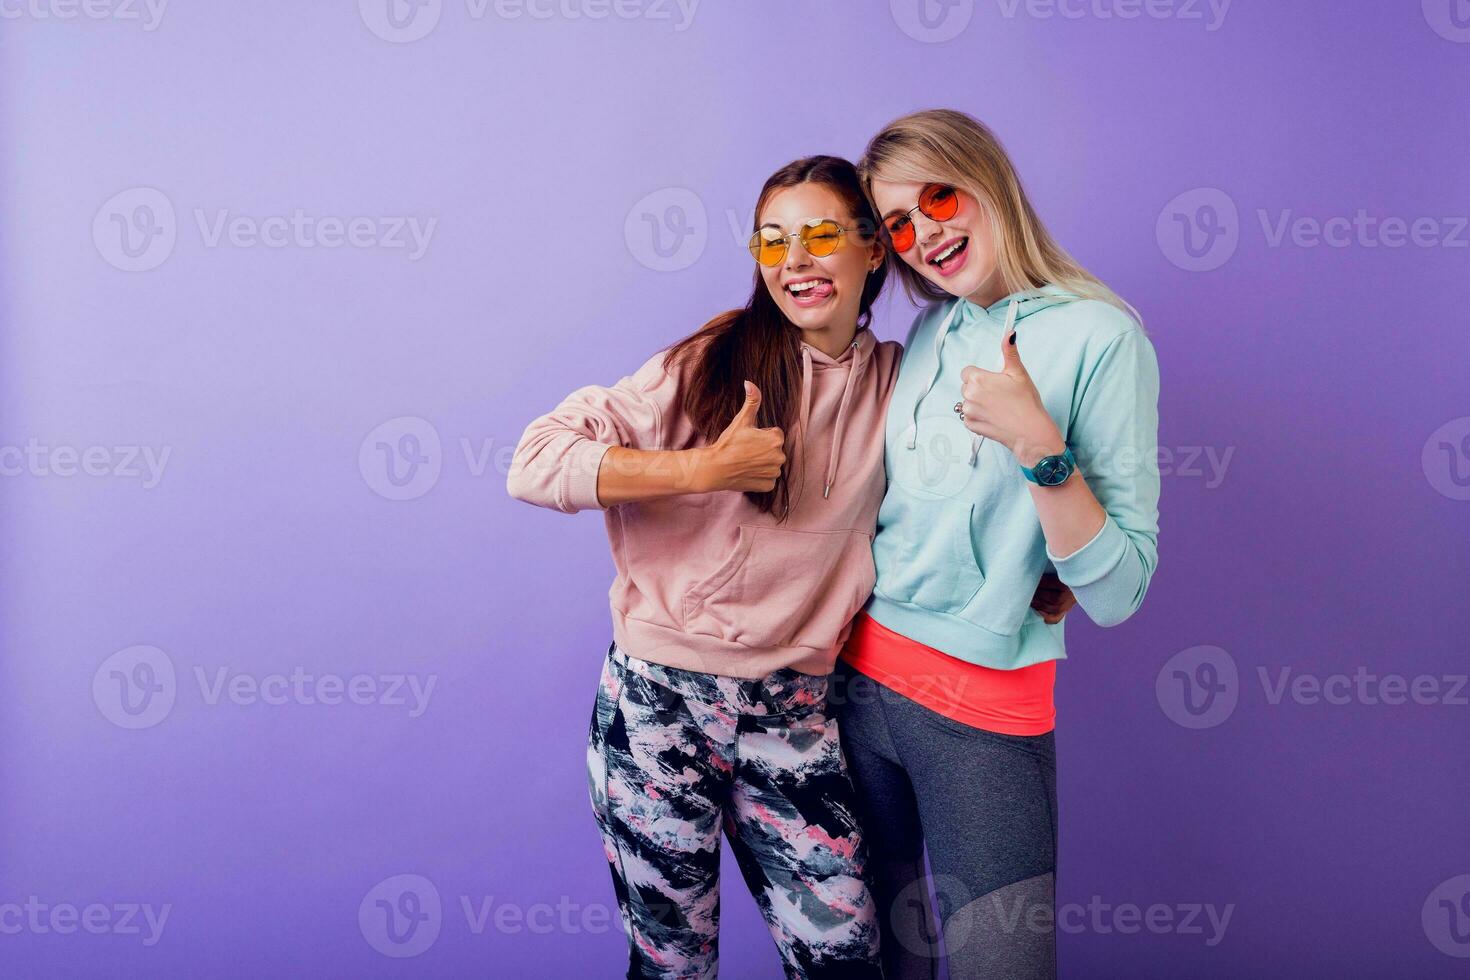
(757, 342)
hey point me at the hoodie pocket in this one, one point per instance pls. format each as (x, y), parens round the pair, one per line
(926, 551)
(1001, 609)
(783, 587)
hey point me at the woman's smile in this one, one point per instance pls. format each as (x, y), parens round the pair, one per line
(810, 291)
(950, 257)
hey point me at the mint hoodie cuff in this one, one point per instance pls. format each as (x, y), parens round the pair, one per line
(1093, 560)
(578, 489)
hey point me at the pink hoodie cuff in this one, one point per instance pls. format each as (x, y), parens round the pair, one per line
(578, 490)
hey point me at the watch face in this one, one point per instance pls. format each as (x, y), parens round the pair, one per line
(1052, 470)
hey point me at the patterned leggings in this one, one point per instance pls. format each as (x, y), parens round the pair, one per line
(675, 756)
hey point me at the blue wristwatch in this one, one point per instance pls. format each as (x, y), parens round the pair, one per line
(1051, 471)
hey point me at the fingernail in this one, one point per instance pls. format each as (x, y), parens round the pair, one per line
(1013, 338)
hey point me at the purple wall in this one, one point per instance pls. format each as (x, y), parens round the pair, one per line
(252, 674)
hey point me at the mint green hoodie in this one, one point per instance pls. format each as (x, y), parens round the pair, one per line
(959, 549)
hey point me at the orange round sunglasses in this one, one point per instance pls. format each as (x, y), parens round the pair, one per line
(937, 202)
(819, 236)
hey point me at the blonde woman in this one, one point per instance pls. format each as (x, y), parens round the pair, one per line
(1019, 443)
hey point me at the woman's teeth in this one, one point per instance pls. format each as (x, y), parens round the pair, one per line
(810, 287)
(949, 253)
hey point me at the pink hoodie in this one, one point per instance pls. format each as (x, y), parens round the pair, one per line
(705, 581)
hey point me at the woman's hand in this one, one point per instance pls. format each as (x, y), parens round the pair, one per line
(1005, 406)
(1053, 600)
(744, 458)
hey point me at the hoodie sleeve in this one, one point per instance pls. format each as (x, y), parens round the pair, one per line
(1115, 435)
(556, 462)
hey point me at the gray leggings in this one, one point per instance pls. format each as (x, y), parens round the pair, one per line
(985, 807)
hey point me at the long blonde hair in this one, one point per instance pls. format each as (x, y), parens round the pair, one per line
(952, 147)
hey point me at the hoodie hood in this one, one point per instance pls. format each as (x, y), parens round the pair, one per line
(1007, 311)
(854, 360)
(1027, 303)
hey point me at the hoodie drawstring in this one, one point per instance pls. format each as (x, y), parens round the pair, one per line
(856, 364)
(1010, 322)
(938, 349)
(806, 387)
(943, 332)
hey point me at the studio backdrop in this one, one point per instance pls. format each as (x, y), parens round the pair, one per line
(290, 685)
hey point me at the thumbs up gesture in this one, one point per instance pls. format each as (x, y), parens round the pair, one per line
(1005, 406)
(745, 457)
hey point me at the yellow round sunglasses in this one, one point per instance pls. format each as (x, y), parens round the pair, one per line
(819, 236)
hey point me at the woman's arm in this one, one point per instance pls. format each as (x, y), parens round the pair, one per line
(744, 458)
(1070, 514)
(559, 457)
(1101, 527)
(606, 446)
